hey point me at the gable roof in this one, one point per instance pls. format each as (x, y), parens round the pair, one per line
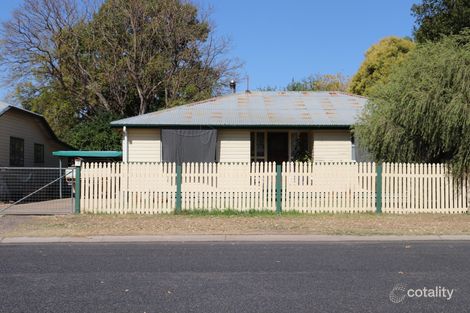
(5, 107)
(258, 109)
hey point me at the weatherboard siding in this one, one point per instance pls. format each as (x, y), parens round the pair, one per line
(332, 145)
(233, 145)
(144, 145)
(31, 130)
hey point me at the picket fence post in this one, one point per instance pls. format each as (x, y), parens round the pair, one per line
(278, 188)
(78, 194)
(378, 189)
(179, 181)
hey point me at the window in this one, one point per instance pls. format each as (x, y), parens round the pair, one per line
(16, 151)
(257, 147)
(38, 153)
(299, 146)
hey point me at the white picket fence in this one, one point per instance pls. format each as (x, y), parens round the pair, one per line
(237, 186)
(328, 187)
(143, 188)
(423, 188)
(149, 188)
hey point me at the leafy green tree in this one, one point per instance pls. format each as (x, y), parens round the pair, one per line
(166, 51)
(379, 61)
(422, 114)
(319, 82)
(437, 18)
(95, 133)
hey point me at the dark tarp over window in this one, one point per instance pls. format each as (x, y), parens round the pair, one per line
(189, 145)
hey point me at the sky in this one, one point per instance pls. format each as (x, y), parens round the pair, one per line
(280, 40)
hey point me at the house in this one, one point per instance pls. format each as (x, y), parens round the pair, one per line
(246, 127)
(26, 139)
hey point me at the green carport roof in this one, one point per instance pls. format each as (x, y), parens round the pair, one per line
(88, 154)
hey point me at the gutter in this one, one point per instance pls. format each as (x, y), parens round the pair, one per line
(257, 126)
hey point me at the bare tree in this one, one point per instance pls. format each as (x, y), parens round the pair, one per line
(121, 56)
(37, 42)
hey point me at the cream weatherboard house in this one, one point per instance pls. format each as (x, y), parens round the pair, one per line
(26, 140)
(246, 127)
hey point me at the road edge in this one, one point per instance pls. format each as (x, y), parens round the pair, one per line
(231, 238)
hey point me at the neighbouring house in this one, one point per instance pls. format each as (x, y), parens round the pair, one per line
(246, 127)
(26, 139)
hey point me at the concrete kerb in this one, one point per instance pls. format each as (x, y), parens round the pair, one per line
(231, 238)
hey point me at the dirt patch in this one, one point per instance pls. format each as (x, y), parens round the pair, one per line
(340, 224)
(10, 223)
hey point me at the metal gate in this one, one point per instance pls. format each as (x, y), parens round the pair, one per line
(36, 190)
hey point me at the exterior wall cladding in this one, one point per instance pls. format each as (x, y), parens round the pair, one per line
(233, 145)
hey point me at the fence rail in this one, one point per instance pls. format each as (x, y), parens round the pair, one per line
(149, 188)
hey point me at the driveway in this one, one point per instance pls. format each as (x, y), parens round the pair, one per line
(50, 207)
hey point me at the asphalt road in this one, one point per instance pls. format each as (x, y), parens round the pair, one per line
(235, 277)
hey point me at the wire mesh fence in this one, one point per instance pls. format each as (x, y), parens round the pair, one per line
(36, 190)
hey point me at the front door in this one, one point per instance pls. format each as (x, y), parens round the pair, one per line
(278, 147)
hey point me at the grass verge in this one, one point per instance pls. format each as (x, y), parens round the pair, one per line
(204, 222)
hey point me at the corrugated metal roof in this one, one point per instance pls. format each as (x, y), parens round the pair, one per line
(259, 108)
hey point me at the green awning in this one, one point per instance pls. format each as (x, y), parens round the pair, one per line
(88, 154)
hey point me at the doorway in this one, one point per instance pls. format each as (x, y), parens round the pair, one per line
(278, 147)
